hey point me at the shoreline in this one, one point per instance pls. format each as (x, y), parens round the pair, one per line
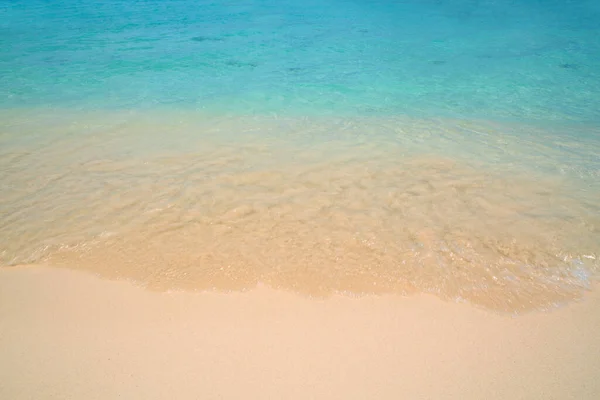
(504, 219)
(68, 334)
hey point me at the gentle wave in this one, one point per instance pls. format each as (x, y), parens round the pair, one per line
(500, 216)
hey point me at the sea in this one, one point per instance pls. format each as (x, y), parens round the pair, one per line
(355, 147)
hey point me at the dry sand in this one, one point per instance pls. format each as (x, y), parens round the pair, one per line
(70, 335)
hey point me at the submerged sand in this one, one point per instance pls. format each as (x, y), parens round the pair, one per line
(502, 216)
(70, 335)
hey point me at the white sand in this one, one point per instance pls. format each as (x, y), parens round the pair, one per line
(69, 335)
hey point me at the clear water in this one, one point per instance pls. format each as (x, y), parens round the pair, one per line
(450, 147)
(490, 59)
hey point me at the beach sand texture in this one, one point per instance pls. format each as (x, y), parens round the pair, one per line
(70, 335)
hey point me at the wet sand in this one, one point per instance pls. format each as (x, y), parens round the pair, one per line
(504, 216)
(70, 335)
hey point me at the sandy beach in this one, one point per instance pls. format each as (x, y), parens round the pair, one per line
(71, 335)
(299, 200)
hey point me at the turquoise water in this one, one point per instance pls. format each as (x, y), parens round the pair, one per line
(446, 147)
(488, 59)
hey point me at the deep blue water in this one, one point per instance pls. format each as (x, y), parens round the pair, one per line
(490, 59)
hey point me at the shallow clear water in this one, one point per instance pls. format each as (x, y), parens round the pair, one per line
(492, 59)
(340, 146)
